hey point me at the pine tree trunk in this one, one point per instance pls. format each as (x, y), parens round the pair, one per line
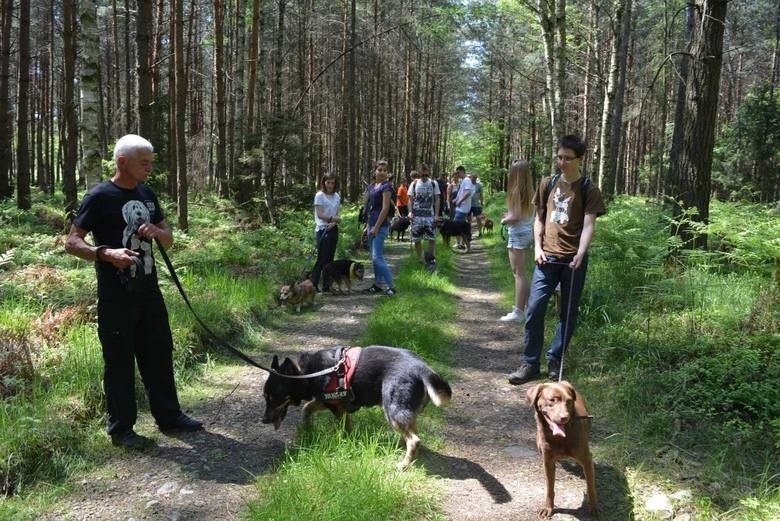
(92, 151)
(6, 132)
(610, 133)
(181, 107)
(70, 134)
(699, 113)
(143, 41)
(219, 80)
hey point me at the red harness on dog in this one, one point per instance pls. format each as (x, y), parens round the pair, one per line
(339, 388)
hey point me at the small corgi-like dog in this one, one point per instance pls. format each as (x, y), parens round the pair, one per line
(298, 294)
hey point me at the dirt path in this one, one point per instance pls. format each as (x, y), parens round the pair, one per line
(489, 464)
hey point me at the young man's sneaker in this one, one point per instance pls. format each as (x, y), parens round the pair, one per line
(553, 369)
(130, 440)
(373, 289)
(389, 292)
(525, 373)
(512, 316)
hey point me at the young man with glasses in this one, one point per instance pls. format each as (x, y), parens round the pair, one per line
(566, 209)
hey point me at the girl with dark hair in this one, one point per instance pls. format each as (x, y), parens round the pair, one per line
(378, 199)
(327, 208)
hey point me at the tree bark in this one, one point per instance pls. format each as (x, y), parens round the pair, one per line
(699, 113)
(219, 80)
(181, 108)
(6, 132)
(70, 135)
(91, 142)
(23, 201)
(552, 19)
(143, 42)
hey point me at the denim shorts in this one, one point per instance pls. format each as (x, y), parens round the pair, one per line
(521, 235)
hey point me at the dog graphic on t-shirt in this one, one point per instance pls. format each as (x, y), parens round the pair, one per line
(135, 214)
(561, 213)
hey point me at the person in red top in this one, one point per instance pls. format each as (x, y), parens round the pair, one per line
(402, 199)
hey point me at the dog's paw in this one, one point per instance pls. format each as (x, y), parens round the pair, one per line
(546, 512)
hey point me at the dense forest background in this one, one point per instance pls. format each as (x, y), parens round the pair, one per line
(253, 99)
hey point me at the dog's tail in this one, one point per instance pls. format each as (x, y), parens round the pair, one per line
(439, 390)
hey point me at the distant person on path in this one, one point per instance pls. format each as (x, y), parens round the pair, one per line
(327, 216)
(124, 217)
(476, 202)
(378, 204)
(441, 180)
(462, 202)
(519, 219)
(402, 199)
(424, 196)
(452, 191)
(567, 206)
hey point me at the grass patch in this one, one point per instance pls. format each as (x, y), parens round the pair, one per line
(331, 475)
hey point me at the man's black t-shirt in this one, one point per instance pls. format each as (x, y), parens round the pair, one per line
(113, 215)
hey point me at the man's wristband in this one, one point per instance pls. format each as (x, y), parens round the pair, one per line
(98, 250)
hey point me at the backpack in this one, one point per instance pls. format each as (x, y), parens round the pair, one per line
(584, 185)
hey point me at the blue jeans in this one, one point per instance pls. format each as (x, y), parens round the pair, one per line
(376, 245)
(460, 216)
(545, 279)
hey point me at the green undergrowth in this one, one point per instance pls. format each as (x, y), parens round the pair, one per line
(51, 399)
(678, 353)
(332, 475)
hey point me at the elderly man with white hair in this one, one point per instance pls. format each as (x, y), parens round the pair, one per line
(124, 217)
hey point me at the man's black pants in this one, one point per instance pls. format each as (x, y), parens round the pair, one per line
(135, 328)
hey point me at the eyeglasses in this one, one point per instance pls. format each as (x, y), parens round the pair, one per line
(565, 159)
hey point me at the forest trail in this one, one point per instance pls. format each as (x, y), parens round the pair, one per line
(489, 464)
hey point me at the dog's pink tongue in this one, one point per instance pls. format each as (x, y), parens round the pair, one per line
(556, 429)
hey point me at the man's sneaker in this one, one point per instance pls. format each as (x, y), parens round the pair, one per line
(182, 423)
(389, 292)
(525, 373)
(130, 440)
(512, 316)
(553, 369)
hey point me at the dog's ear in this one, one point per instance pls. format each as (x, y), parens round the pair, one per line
(533, 394)
(289, 367)
(275, 363)
(569, 388)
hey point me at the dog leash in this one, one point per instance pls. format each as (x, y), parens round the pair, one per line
(224, 343)
(568, 316)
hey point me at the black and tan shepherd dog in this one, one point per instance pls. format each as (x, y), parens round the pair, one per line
(450, 228)
(394, 378)
(342, 272)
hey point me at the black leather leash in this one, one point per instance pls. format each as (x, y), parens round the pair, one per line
(224, 343)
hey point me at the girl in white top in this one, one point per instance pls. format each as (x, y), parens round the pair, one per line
(520, 221)
(327, 215)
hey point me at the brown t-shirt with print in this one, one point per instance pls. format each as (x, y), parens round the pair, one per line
(563, 216)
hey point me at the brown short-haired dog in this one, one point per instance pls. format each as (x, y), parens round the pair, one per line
(562, 431)
(298, 294)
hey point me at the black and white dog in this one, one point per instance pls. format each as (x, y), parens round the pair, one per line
(394, 378)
